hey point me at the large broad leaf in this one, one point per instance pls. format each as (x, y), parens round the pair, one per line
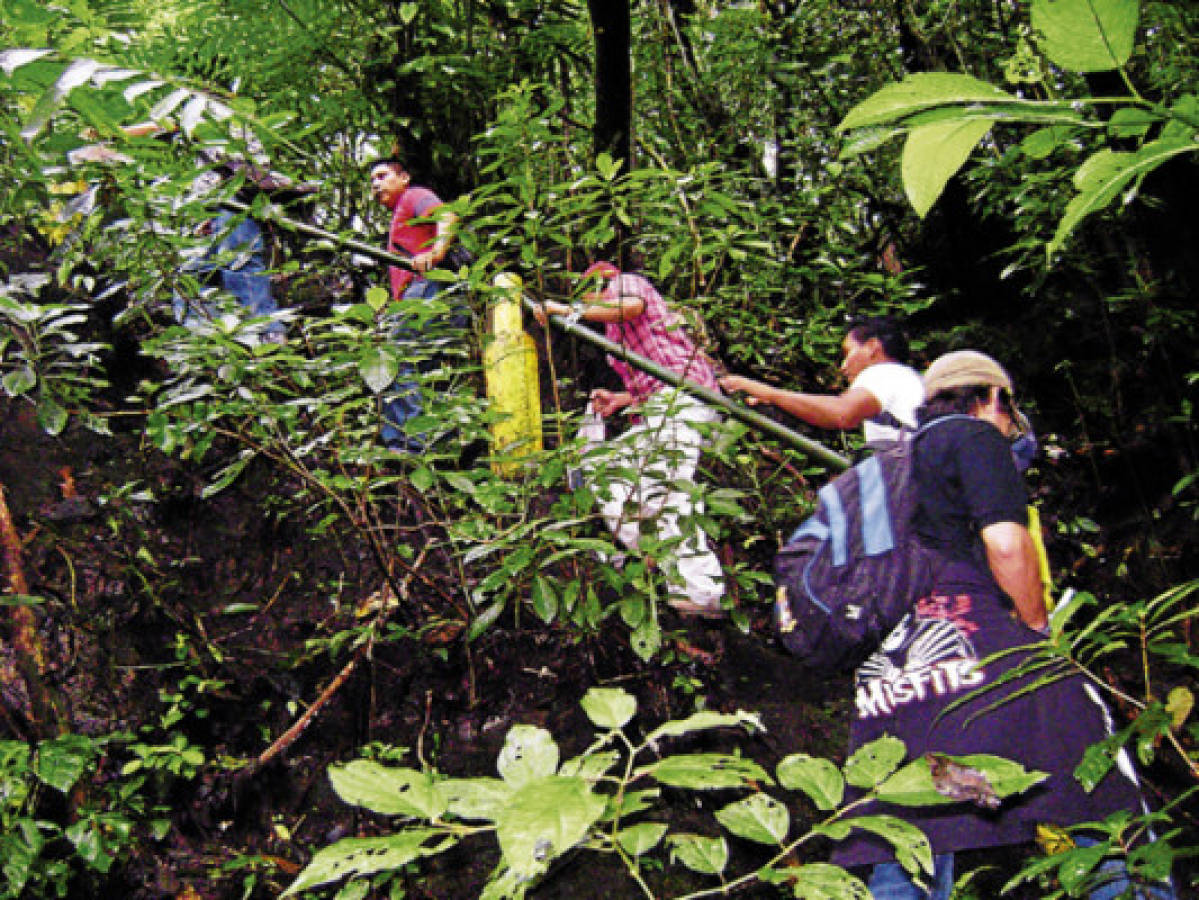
(913, 785)
(609, 707)
(365, 856)
(933, 154)
(912, 850)
(706, 771)
(638, 839)
(698, 853)
(818, 778)
(378, 367)
(529, 753)
(389, 790)
(1086, 35)
(476, 798)
(1109, 172)
(873, 762)
(821, 881)
(62, 761)
(544, 819)
(919, 93)
(758, 817)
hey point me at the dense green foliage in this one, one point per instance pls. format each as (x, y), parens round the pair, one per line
(1037, 209)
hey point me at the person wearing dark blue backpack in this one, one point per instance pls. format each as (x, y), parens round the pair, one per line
(985, 597)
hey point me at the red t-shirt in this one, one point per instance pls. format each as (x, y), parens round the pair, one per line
(410, 239)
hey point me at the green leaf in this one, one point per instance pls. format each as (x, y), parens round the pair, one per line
(1131, 122)
(590, 767)
(912, 850)
(706, 771)
(706, 719)
(476, 798)
(529, 753)
(365, 856)
(228, 475)
(1086, 35)
(377, 297)
(913, 784)
(378, 367)
(18, 381)
(545, 601)
(707, 856)
(758, 817)
(919, 93)
(646, 639)
(1078, 864)
(818, 778)
(1106, 174)
(822, 881)
(389, 790)
(51, 417)
(485, 619)
(873, 762)
(641, 838)
(932, 154)
(234, 609)
(545, 818)
(609, 707)
(20, 855)
(863, 140)
(62, 761)
(89, 844)
(1044, 141)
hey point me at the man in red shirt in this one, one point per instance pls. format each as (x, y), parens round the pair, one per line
(422, 229)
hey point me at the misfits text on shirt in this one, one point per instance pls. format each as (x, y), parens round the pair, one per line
(929, 654)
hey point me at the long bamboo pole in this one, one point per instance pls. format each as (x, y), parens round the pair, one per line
(750, 417)
(744, 414)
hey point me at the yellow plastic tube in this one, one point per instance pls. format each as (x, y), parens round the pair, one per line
(510, 373)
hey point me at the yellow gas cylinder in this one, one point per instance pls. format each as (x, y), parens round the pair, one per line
(510, 371)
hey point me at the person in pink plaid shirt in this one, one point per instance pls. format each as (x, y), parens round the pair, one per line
(663, 445)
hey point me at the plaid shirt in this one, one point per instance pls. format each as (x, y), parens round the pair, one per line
(656, 334)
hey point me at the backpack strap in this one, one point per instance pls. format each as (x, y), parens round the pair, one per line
(919, 432)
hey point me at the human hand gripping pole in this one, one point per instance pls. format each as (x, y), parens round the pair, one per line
(552, 312)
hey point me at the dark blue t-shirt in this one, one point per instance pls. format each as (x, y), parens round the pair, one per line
(967, 480)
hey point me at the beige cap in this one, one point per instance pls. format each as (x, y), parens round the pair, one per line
(964, 368)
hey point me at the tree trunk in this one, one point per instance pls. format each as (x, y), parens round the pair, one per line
(611, 25)
(45, 706)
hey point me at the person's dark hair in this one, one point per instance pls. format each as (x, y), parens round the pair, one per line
(394, 161)
(959, 400)
(888, 332)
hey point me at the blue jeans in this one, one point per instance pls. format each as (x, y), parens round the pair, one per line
(402, 400)
(1119, 883)
(889, 881)
(240, 251)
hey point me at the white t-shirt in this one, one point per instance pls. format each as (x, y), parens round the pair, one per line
(899, 392)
